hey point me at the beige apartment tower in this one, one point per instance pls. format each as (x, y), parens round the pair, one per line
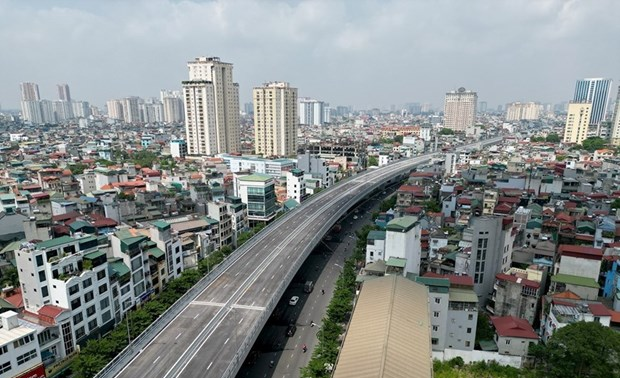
(211, 102)
(460, 109)
(577, 122)
(275, 119)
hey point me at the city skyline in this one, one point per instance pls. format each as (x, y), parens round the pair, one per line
(328, 48)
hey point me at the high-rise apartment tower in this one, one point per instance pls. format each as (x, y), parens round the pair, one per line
(460, 109)
(275, 119)
(63, 92)
(577, 122)
(595, 91)
(211, 107)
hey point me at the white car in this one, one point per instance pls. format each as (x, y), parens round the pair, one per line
(294, 300)
(355, 217)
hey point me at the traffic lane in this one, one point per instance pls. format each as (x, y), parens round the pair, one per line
(164, 351)
(213, 356)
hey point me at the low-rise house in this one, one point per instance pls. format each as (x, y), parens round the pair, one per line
(513, 335)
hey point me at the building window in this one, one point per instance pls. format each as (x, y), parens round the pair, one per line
(106, 317)
(26, 357)
(42, 276)
(87, 282)
(101, 274)
(105, 302)
(470, 317)
(88, 297)
(76, 303)
(39, 259)
(467, 343)
(44, 291)
(90, 311)
(4, 349)
(92, 325)
(435, 314)
(103, 288)
(434, 341)
(437, 300)
(5, 367)
(435, 328)
(508, 342)
(74, 289)
(468, 330)
(79, 333)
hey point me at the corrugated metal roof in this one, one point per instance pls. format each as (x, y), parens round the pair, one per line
(389, 334)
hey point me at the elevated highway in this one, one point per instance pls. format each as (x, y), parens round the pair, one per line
(210, 330)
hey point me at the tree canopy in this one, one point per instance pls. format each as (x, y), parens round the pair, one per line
(580, 350)
(593, 143)
(446, 131)
(553, 138)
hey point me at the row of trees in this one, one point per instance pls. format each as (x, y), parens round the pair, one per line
(338, 314)
(551, 138)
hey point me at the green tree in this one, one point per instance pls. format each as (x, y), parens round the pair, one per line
(78, 168)
(484, 329)
(446, 131)
(144, 158)
(398, 138)
(615, 204)
(593, 143)
(553, 138)
(432, 206)
(388, 204)
(582, 350)
(536, 139)
(10, 277)
(373, 161)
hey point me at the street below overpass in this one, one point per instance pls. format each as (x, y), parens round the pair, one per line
(210, 335)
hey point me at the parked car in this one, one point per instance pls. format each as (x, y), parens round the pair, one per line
(294, 300)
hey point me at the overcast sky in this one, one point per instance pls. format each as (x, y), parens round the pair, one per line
(360, 53)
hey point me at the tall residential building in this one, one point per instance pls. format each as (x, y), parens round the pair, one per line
(32, 112)
(63, 92)
(615, 124)
(577, 122)
(460, 109)
(115, 109)
(275, 119)
(211, 107)
(131, 109)
(30, 92)
(595, 91)
(173, 106)
(313, 112)
(523, 111)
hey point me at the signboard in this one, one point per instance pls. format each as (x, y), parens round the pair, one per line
(36, 372)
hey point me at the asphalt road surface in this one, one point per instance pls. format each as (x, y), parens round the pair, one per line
(204, 339)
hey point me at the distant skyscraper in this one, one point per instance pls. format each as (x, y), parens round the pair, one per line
(30, 92)
(518, 111)
(131, 109)
(173, 106)
(63, 92)
(595, 91)
(482, 107)
(115, 109)
(275, 119)
(615, 124)
(211, 107)
(577, 122)
(312, 112)
(460, 109)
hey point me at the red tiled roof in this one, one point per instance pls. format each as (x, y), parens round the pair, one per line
(16, 300)
(410, 188)
(599, 309)
(509, 326)
(50, 311)
(580, 251)
(65, 217)
(105, 222)
(502, 208)
(566, 295)
(422, 174)
(454, 279)
(615, 316)
(513, 200)
(521, 281)
(464, 201)
(563, 217)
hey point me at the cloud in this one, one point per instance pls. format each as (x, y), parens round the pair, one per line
(362, 53)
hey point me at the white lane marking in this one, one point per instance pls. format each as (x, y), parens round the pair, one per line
(196, 316)
(179, 335)
(209, 367)
(240, 321)
(288, 257)
(237, 273)
(273, 276)
(226, 342)
(263, 289)
(157, 359)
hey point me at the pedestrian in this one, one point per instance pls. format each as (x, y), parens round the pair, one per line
(322, 291)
